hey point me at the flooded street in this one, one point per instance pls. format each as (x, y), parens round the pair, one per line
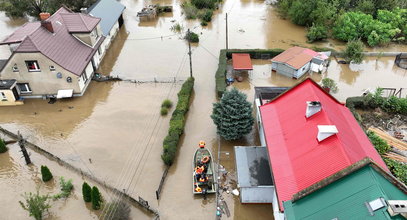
(116, 131)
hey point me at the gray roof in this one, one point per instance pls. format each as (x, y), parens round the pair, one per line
(109, 10)
(252, 166)
(61, 46)
(7, 84)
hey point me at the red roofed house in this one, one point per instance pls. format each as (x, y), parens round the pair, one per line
(55, 57)
(309, 136)
(296, 61)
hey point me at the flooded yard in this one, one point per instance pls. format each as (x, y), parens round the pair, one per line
(116, 131)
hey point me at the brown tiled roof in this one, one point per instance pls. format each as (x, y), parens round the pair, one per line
(60, 46)
(295, 57)
(78, 22)
(21, 33)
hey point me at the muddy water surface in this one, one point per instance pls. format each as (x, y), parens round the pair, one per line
(115, 129)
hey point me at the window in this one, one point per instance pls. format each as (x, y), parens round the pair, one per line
(52, 68)
(32, 66)
(15, 68)
(3, 96)
(24, 88)
(84, 77)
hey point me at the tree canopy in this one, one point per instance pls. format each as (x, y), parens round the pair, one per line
(22, 8)
(233, 115)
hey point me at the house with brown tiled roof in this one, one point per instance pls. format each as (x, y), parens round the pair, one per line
(296, 61)
(54, 57)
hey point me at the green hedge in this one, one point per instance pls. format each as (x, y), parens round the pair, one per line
(224, 55)
(392, 104)
(177, 122)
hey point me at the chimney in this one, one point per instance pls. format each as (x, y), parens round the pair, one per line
(84, 10)
(326, 131)
(313, 107)
(45, 23)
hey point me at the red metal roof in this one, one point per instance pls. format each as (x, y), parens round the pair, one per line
(61, 46)
(297, 159)
(241, 61)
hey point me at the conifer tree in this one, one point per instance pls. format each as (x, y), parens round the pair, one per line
(3, 147)
(86, 192)
(46, 174)
(233, 115)
(96, 198)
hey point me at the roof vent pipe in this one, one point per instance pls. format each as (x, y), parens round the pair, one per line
(313, 107)
(84, 10)
(326, 131)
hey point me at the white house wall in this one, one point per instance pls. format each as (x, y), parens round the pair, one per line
(284, 69)
(301, 71)
(44, 82)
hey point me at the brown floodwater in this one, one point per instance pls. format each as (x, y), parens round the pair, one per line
(116, 131)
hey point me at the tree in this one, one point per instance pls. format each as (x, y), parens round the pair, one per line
(86, 192)
(233, 115)
(66, 188)
(22, 8)
(46, 174)
(3, 147)
(96, 198)
(351, 26)
(317, 32)
(331, 84)
(353, 51)
(35, 204)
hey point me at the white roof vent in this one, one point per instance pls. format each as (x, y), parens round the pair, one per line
(313, 107)
(397, 207)
(326, 131)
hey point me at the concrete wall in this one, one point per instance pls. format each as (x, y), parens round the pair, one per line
(44, 82)
(83, 83)
(259, 123)
(9, 96)
(260, 194)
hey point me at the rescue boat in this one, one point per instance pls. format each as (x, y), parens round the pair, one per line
(203, 177)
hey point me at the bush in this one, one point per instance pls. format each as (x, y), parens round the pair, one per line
(381, 146)
(205, 15)
(317, 32)
(46, 174)
(66, 188)
(398, 169)
(200, 4)
(177, 28)
(86, 192)
(35, 204)
(204, 23)
(96, 198)
(192, 37)
(167, 103)
(120, 210)
(233, 115)
(3, 147)
(353, 51)
(331, 84)
(164, 111)
(190, 10)
(177, 122)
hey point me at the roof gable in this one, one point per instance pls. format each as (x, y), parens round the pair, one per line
(109, 10)
(297, 158)
(78, 22)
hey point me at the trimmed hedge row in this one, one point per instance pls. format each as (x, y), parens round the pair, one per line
(177, 122)
(224, 55)
(392, 104)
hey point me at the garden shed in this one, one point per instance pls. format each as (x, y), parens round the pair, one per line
(253, 175)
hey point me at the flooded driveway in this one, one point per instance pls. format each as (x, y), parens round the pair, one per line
(115, 129)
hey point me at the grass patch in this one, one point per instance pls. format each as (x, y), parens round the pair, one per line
(177, 122)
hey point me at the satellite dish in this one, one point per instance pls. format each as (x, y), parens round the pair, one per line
(69, 79)
(59, 75)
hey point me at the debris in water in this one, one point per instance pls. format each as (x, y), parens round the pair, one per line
(241, 30)
(235, 192)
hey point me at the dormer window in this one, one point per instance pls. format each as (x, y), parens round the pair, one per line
(32, 66)
(52, 68)
(15, 68)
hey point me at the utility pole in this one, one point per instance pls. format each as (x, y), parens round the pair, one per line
(227, 43)
(21, 142)
(189, 53)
